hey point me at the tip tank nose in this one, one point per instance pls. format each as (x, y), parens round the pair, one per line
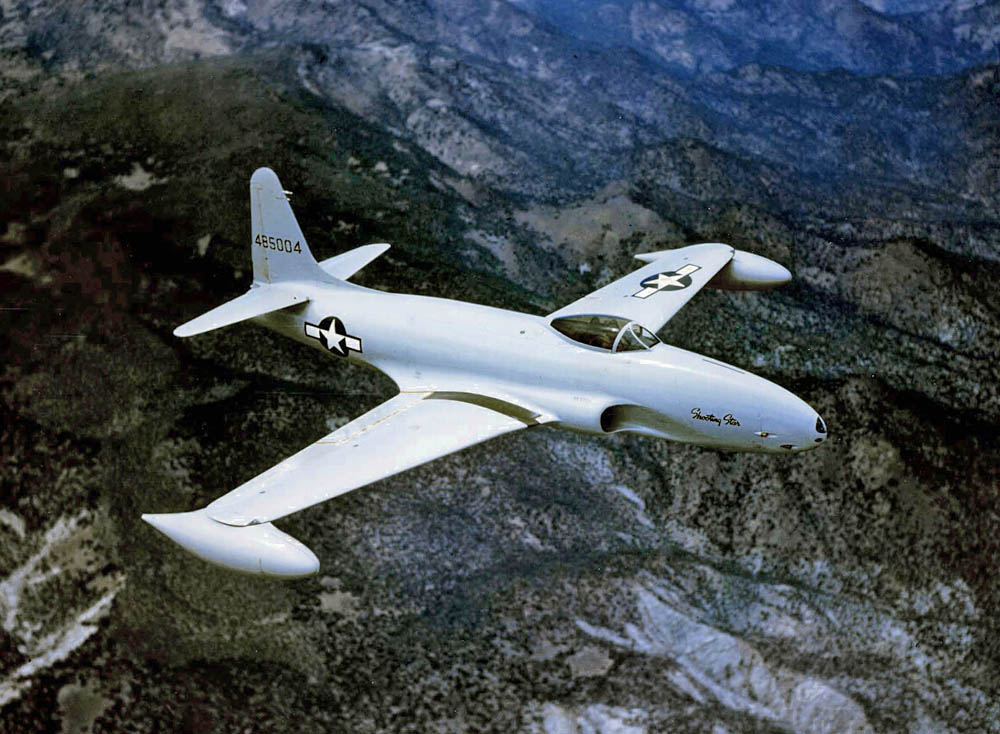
(749, 272)
(255, 549)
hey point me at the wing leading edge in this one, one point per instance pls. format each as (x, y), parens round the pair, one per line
(403, 432)
(652, 294)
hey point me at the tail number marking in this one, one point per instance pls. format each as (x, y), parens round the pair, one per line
(276, 243)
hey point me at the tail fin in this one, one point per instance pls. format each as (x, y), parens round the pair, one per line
(279, 249)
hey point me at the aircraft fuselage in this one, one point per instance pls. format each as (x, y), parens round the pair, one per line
(431, 344)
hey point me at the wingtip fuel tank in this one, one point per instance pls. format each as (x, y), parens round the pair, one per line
(749, 272)
(254, 549)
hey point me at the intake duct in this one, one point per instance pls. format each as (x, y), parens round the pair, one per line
(638, 419)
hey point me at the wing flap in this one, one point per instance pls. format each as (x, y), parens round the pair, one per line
(652, 294)
(399, 434)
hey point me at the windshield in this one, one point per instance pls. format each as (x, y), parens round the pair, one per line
(606, 332)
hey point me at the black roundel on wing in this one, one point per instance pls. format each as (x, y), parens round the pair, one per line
(667, 281)
(333, 335)
(672, 280)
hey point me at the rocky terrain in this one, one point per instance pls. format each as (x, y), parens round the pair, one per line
(515, 156)
(697, 36)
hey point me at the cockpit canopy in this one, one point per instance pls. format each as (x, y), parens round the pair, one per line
(606, 332)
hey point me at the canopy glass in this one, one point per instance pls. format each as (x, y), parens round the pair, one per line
(612, 333)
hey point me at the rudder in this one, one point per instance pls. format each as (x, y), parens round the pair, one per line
(279, 249)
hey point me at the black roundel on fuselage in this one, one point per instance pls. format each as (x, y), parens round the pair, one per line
(332, 334)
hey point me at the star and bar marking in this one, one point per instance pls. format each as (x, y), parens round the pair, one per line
(671, 281)
(332, 334)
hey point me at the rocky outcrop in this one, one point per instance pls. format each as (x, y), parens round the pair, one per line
(698, 36)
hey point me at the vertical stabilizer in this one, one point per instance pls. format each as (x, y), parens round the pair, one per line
(279, 249)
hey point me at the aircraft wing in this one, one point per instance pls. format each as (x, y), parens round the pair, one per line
(652, 294)
(405, 431)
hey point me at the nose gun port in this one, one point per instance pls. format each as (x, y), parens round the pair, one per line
(821, 430)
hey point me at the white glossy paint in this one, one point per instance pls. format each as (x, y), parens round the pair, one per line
(258, 549)
(468, 373)
(394, 437)
(432, 344)
(749, 272)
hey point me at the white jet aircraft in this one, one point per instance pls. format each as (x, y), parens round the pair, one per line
(467, 373)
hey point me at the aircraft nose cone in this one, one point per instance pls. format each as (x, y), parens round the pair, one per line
(789, 423)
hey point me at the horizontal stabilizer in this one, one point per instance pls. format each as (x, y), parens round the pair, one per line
(258, 549)
(346, 264)
(258, 301)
